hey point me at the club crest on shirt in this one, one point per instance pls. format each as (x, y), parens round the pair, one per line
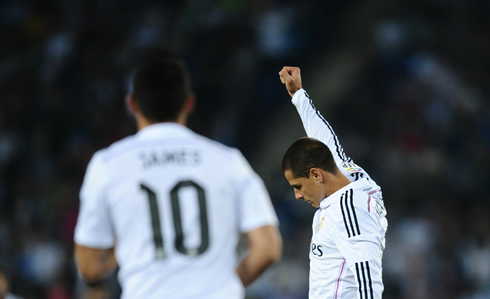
(351, 167)
(320, 224)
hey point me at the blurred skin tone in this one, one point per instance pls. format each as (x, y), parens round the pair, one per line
(291, 77)
(4, 286)
(96, 293)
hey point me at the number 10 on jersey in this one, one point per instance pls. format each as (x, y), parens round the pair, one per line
(177, 220)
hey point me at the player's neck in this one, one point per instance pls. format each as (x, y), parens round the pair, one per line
(142, 122)
(336, 182)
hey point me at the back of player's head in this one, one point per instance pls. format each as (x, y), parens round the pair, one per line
(306, 153)
(160, 85)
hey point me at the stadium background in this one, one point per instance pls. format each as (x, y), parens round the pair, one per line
(406, 85)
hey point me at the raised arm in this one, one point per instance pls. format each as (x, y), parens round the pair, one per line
(314, 123)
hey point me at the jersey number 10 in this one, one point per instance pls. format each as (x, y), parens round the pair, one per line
(179, 233)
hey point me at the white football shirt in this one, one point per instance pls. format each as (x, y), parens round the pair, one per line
(350, 225)
(173, 204)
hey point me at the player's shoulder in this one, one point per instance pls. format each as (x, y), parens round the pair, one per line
(350, 208)
(348, 198)
(106, 154)
(190, 139)
(353, 171)
(215, 145)
(218, 151)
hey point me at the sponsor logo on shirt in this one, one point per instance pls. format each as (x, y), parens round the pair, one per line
(317, 249)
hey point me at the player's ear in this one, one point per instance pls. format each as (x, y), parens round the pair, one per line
(132, 105)
(189, 103)
(316, 175)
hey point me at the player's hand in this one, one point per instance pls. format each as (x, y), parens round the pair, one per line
(291, 77)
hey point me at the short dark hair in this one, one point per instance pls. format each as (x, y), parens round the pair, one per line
(160, 85)
(306, 153)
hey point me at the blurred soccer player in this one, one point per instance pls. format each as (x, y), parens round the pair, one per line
(168, 205)
(350, 224)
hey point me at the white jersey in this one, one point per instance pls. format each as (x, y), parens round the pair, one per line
(173, 204)
(350, 225)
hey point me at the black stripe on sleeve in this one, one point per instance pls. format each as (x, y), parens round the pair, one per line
(339, 149)
(354, 211)
(370, 281)
(343, 214)
(348, 212)
(364, 280)
(359, 281)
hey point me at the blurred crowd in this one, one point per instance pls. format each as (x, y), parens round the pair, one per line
(426, 98)
(418, 120)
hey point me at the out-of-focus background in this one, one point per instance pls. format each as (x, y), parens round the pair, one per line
(405, 84)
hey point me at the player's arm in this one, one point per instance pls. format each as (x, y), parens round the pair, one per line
(93, 263)
(359, 238)
(257, 221)
(265, 247)
(94, 234)
(314, 123)
(368, 279)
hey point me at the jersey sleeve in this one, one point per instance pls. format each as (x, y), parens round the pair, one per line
(317, 127)
(94, 228)
(359, 236)
(254, 204)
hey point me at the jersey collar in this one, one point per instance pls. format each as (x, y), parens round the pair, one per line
(327, 201)
(166, 129)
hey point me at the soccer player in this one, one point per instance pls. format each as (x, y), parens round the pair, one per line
(168, 206)
(350, 224)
